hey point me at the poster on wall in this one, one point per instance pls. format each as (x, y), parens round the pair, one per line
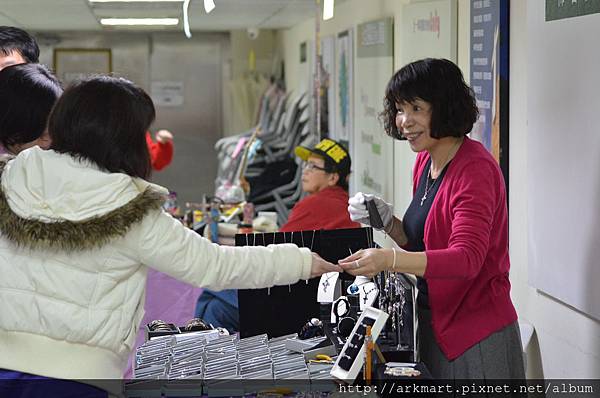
(429, 30)
(562, 9)
(489, 76)
(327, 102)
(72, 64)
(373, 152)
(344, 87)
(167, 93)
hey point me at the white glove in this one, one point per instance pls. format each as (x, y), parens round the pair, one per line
(359, 213)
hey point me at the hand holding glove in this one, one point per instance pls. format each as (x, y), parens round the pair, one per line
(359, 213)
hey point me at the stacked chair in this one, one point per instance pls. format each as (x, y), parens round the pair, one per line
(272, 170)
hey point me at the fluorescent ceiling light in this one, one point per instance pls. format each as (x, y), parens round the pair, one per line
(135, 1)
(209, 5)
(186, 19)
(139, 21)
(328, 9)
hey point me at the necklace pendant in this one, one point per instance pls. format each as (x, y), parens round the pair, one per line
(423, 199)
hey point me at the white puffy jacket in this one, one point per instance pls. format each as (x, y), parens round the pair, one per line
(74, 245)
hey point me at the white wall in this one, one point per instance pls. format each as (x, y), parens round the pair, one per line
(567, 343)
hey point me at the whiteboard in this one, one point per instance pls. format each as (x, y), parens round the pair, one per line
(563, 156)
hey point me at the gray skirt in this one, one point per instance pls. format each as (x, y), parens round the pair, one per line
(498, 356)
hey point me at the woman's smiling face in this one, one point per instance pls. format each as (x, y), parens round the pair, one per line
(413, 120)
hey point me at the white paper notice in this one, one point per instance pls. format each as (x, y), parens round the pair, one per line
(167, 93)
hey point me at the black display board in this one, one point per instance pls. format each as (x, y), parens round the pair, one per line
(282, 310)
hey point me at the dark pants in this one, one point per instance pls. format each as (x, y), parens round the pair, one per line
(15, 384)
(219, 309)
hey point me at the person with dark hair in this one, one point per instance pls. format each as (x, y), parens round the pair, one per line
(17, 47)
(99, 121)
(325, 175)
(27, 94)
(79, 225)
(454, 232)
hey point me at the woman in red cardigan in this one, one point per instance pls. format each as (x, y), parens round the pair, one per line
(455, 231)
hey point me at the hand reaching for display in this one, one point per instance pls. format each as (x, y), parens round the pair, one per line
(320, 266)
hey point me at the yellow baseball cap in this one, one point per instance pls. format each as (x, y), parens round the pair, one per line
(336, 155)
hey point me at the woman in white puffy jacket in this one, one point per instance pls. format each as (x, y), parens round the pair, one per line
(79, 225)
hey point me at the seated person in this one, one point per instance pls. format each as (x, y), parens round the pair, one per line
(325, 175)
(27, 94)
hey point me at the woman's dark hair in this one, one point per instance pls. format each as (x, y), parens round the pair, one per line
(440, 83)
(27, 94)
(14, 39)
(104, 119)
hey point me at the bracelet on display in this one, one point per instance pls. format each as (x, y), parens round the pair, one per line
(345, 326)
(345, 307)
(159, 325)
(312, 328)
(402, 371)
(197, 324)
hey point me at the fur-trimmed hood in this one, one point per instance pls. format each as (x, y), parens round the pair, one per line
(54, 201)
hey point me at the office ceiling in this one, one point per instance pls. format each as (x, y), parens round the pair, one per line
(80, 15)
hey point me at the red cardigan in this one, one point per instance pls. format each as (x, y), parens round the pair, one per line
(466, 244)
(326, 209)
(160, 154)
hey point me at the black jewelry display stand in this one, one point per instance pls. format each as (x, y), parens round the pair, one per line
(283, 310)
